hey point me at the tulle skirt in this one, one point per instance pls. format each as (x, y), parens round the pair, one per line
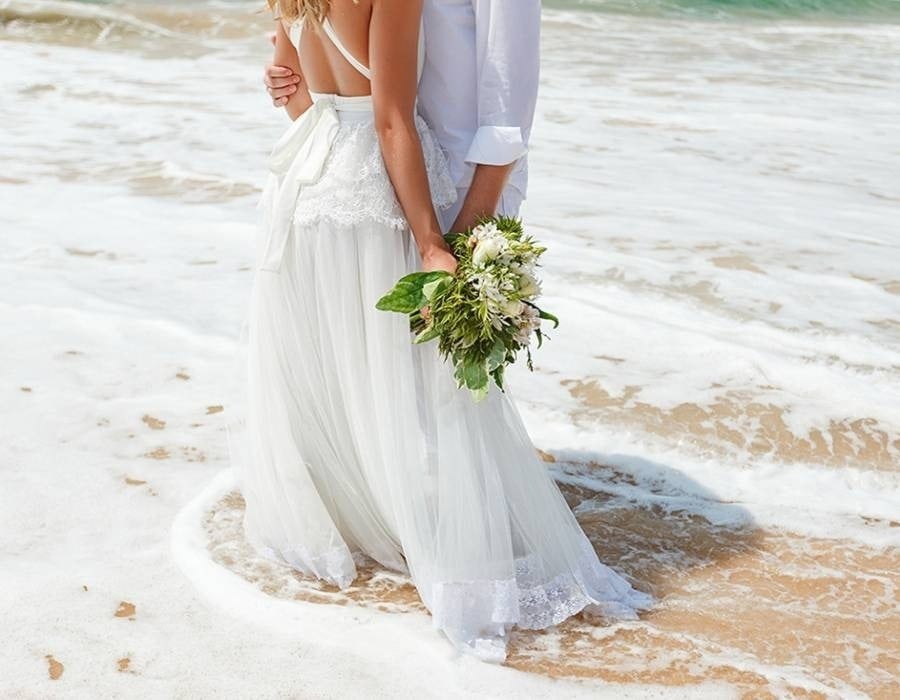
(358, 441)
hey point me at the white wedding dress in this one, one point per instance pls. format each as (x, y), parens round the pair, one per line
(358, 441)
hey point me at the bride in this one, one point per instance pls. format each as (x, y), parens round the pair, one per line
(358, 442)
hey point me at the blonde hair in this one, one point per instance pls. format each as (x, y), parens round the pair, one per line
(315, 10)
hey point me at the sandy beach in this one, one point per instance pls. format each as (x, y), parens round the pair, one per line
(721, 404)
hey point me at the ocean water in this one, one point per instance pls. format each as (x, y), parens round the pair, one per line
(718, 186)
(881, 10)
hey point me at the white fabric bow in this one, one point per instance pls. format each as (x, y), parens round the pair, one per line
(296, 161)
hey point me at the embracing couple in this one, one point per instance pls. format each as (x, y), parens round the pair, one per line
(410, 119)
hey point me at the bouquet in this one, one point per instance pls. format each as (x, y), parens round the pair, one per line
(485, 314)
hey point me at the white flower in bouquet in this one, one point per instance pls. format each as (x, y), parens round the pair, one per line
(528, 324)
(488, 288)
(512, 307)
(487, 249)
(529, 287)
(487, 229)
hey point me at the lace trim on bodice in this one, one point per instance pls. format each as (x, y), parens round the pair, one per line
(355, 188)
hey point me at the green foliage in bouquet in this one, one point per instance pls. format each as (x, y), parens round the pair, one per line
(485, 314)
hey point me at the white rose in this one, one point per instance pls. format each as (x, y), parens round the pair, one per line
(529, 287)
(512, 307)
(487, 249)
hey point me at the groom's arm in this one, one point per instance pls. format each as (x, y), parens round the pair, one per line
(285, 58)
(508, 63)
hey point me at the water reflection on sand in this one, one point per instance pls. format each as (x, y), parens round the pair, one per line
(769, 613)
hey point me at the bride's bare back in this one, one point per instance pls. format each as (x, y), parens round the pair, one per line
(324, 68)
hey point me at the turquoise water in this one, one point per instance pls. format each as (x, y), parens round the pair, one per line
(861, 9)
(872, 10)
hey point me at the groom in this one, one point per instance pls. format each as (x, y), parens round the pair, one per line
(478, 93)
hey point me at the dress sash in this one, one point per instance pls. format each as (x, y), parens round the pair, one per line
(297, 160)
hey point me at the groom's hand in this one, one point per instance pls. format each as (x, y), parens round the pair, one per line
(281, 82)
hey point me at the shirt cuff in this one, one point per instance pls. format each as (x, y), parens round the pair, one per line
(497, 145)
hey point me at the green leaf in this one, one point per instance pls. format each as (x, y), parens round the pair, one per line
(430, 333)
(508, 224)
(407, 295)
(453, 239)
(458, 375)
(475, 375)
(480, 394)
(437, 286)
(547, 316)
(497, 356)
(497, 374)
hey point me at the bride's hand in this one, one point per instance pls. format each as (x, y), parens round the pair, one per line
(439, 259)
(433, 260)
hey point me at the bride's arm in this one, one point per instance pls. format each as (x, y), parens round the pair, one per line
(286, 55)
(393, 53)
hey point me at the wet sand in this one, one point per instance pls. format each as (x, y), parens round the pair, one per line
(770, 614)
(741, 422)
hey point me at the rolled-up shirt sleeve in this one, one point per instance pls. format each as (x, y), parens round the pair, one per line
(508, 63)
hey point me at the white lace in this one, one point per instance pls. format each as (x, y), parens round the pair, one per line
(355, 188)
(531, 600)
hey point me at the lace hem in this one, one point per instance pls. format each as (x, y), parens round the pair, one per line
(476, 615)
(469, 605)
(355, 188)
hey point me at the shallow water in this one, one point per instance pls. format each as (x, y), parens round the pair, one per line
(880, 10)
(768, 613)
(718, 185)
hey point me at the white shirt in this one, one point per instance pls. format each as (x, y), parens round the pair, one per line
(480, 82)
